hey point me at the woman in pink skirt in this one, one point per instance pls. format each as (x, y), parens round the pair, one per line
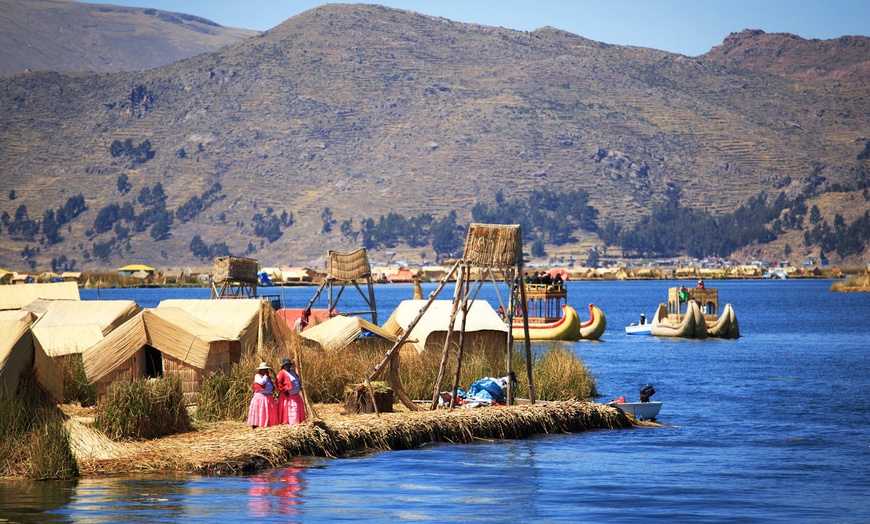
(291, 408)
(263, 411)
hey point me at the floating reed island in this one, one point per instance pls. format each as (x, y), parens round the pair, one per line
(233, 447)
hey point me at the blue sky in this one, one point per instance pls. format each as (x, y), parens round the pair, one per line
(689, 27)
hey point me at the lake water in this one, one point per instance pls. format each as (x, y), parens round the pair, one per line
(767, 428)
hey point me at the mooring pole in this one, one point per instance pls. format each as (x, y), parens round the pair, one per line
(525, 307)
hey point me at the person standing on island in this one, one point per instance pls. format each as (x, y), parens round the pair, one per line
(262, 412)
(291, 408)
(302, 322)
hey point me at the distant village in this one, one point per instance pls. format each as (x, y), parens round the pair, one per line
(140, 275)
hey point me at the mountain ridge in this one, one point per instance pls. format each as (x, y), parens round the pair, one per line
(366, 110)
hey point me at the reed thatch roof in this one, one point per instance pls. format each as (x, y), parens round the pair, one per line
(71, 326)
(347, 266)
(481, 318)
(180, 334)
(16, 297)
(338, 332)
(116, 347)
(18, 355)
(236, 319)
(169, 330)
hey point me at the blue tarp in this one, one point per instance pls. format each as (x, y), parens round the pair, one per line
(487, 388)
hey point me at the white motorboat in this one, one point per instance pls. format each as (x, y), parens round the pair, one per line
(640, 410)
(638, 329)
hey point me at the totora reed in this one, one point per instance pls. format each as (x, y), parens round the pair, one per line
(232, 447)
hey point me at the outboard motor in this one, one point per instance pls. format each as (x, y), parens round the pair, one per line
(646, 393)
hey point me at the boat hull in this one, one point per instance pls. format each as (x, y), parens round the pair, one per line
(569, 327)
(693, 324)
(566, 328)
(642, 329)
(640, 410)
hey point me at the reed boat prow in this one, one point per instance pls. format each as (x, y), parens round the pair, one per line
(693, 313)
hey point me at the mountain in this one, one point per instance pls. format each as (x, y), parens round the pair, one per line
(64, 35)
(347, 113)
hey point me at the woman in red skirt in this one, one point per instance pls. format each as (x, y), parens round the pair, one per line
(291, 408)
(263, 411)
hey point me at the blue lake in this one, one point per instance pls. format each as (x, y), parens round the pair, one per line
(766, 428)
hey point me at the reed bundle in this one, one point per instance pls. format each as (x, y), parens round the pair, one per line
(232, 447)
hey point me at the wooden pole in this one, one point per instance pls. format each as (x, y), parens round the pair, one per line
(446, 352)
(455, 387)
(510, 335)
(525, 308)
(260, 330)
(397, 387)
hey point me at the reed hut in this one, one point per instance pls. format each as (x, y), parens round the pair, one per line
(160, 342)
(16, 297)
(19, 355)
(339, 332)
(66, 327)
(237, 319)
(483, 327)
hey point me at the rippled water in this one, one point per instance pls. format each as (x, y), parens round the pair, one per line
(766, 428)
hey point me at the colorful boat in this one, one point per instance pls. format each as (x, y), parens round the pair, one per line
(551, 318)
(699, 318)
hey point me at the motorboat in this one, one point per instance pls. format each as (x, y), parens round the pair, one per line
(639, 329)
(643, 410)
(640, 410)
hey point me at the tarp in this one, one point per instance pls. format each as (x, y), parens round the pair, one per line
(338, 332)
(16, 297)
(481, 318)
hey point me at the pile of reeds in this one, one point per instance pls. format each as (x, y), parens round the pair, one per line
(75, 382)
(143, 409)
(33, 441)
(278, 445)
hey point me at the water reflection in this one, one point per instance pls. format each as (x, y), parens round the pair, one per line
(26, 501)
(276, 492)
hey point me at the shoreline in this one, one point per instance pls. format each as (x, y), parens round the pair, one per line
(231, 448)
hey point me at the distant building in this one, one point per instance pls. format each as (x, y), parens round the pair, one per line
(128, 271)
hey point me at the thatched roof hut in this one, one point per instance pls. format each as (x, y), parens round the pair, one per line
(236, 319)
(16, 297)
(18, 355)
(160, 342)
(70, 326)
(339, 332)
(482, 327)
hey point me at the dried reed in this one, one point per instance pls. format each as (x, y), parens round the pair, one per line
(75, 381)
(33, 441)
(143, 409)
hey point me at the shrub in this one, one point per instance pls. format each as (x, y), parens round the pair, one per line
(144, 409)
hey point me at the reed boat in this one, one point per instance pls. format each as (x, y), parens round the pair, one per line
(551, 318)
(694, 313)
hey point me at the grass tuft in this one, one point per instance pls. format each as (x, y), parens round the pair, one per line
(34, 443)
(144, 409)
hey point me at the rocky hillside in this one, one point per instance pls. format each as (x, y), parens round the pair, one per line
(65, 35)
(346, 113)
